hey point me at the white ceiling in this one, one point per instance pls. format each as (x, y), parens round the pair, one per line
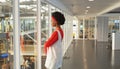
(77, 7)
(98, 7)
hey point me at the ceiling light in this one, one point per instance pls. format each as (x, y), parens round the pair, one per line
(90, 0)
(88, 7)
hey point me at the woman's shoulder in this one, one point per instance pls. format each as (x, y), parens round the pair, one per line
(61, 32)
(55, 33)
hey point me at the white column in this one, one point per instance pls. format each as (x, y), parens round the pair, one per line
(89, 28)
(50, 26)
(95, 34)
(66, 27)
(119, 24)
(39, 54)
(64, 39)
(78, 28)
(95, 29)
(16, 35)
(2, 25)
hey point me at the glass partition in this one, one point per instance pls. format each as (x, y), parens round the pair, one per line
(44, 22)
(87, 27)
(45, 28)
(114, 23)
(6, 36)
(28, 11)
(28, 34)
(91, 27)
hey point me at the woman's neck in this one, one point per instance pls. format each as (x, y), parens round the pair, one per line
(58, 27)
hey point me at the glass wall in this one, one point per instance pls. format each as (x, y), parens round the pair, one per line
(28, 32)
(44, 22)
(81, 28)
(28, 11)
(6, 37)
(87, 27)
(114, 24)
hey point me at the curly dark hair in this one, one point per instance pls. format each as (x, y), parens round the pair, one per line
(59, 17)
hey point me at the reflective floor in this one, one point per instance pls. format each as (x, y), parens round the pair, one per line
(88, 55)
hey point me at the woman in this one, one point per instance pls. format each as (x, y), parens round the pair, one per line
(53, 47)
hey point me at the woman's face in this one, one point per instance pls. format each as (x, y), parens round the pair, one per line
(54, 22)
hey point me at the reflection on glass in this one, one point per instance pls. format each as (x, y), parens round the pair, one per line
(28, 16)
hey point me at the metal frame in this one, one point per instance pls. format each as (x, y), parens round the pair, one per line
(119, 24)
(39, 34)
(16, 34)
(50, 26)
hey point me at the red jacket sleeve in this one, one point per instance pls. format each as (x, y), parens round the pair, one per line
(52, 39)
